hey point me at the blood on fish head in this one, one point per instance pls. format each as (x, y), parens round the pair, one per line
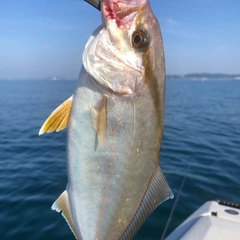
(122, 12)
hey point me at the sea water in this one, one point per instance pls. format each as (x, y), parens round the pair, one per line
(202, 129)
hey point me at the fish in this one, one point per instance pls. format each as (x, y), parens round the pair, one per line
(115, 122)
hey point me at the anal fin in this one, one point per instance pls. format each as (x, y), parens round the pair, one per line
(157, 192)
(58, 119)
(100, 120)
(62, 205)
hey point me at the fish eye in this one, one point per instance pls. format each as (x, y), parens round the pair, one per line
(140, 39)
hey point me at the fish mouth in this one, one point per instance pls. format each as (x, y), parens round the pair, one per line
(122, 12)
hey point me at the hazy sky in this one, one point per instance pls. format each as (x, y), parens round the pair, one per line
(42, 38)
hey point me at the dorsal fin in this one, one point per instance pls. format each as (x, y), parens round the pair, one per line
(157, 192)
(100, 120)
(62, 205)
(58, 119)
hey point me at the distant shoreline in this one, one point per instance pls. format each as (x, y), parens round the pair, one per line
(191, 77)
(205, 77)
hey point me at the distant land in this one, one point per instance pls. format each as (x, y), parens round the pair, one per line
(191, 76)
(205, 76)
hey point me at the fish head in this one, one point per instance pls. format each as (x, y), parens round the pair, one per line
(126, 50)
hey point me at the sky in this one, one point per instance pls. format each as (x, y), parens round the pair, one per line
(44, 38)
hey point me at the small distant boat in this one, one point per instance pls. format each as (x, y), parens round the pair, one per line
(55, 78)
(203, 79)
(214, 220)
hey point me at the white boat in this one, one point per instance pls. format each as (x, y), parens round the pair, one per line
(214, 220)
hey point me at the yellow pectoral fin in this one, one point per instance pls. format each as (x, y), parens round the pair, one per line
(58, 120)
(100, 120)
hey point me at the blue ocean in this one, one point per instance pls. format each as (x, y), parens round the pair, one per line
(202, 134)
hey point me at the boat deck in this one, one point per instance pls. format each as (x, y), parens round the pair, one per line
(214, 220)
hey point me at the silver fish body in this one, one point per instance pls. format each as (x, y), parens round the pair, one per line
(114, 178)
